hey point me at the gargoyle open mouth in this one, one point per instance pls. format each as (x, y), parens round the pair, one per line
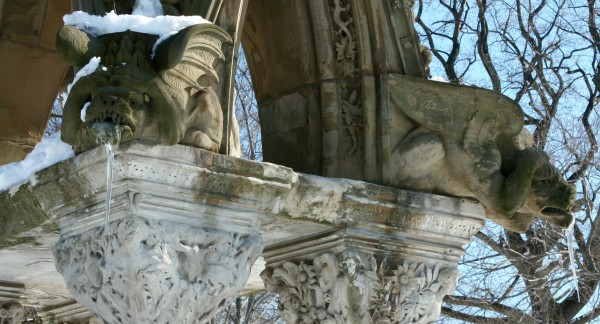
(114, 117)
(552, 211)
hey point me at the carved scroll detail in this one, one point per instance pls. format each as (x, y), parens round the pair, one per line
(345, 37)
(346, 53)
(352, 288)
(353, 117)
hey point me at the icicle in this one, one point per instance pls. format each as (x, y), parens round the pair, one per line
(109, 135)
(569, 233)
(110, 162)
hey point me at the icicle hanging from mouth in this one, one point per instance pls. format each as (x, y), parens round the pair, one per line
(109, 135)
(110, 162)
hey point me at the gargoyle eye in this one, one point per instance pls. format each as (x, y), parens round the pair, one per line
(132, 102)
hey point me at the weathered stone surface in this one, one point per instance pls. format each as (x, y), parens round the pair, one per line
(10, 292)
(357, 72)
(68, 312)
(28, 262)
(22, 203)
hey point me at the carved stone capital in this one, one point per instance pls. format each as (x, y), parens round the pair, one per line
(12, 313)
(137, 270)
(351, 287)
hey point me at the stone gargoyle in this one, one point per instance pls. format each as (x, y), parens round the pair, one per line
(470, 142)
(162, 91)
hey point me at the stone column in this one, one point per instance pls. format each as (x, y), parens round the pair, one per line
(388, 262)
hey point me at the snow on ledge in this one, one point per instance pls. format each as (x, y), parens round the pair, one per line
(113, 23)
(439, 78)
(50, 150)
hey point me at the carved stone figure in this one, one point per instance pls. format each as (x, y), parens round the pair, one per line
(470, 142)
(163, 92)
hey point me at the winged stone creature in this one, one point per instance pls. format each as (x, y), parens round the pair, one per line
(162, 91)
(470, 142)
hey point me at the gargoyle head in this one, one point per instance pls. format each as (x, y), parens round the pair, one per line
(550, 197)
(142, 89)
(545, 195)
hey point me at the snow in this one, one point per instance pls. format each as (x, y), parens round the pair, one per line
(86, 70)
(84, 111)
(50, 150)
(147, 18)
(113, 23)
(438, 78)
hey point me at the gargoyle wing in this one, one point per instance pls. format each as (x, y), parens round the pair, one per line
(185, 60)
(464, 114)
(184, 63)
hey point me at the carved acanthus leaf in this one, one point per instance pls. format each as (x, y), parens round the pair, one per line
(155, 271)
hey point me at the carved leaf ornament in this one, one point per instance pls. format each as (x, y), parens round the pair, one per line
(349, 288)
(146, 271)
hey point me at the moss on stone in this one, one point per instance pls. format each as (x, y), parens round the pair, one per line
(20, 212)
(50, 227)
(9, 241)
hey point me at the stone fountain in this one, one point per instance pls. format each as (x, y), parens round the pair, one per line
(188, 218)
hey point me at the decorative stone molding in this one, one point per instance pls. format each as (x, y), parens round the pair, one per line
(68, 312)
(350, 287)
(353, 118)
(11, 292)
(345, 36)
(153, 271)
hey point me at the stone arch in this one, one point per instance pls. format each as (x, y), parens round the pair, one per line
(319, 69)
